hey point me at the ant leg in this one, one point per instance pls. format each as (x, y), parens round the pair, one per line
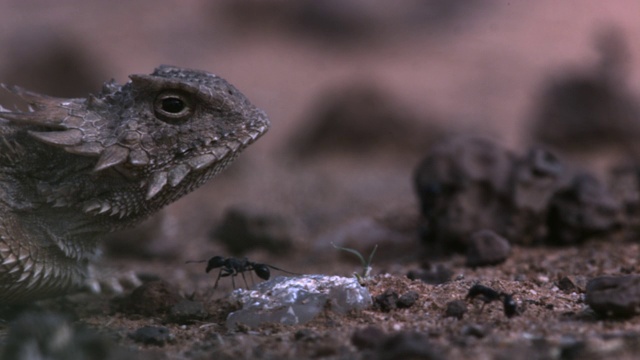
(217, 279)
(245, 280)
(233, 281)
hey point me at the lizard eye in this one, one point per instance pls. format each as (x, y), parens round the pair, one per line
(173, 107)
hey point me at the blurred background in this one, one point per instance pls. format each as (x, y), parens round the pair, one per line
(357, 91)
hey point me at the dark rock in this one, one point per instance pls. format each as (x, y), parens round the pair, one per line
(487, 248)
(567, 285)
(625, 187)
(614, 296)
(305, 335)
(407, 299)
(583, 210)
(151, 299)
(580, 111)
(474, 330)
(187, 312)
(572, 349)
(387, 301)
(463, 187)
(535, 179)
(408, 345)
(469, 184)
(152, 335)
(244, 228)
(436, 275)
(456, 309)
(368, 338)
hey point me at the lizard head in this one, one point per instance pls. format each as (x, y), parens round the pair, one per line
(164, 134)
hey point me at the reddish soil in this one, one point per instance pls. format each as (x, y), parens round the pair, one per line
(475, 69)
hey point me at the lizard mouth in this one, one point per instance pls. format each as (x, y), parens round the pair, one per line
(204, 165)
(187, 173)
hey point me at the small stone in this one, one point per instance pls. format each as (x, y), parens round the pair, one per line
(456, 309)
(407, 299)
(187, 312)
(625, 187)
(474, 330)
(152, 335)
(368, 337)
(305, 335)
(567, 285)
(408, 345)
(614, 296)
(437, 275)
(573, 349)
(387, 301)
(152, 298)
(584, 210)
(487, 248)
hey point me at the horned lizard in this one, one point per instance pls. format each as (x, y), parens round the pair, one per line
(72, 170)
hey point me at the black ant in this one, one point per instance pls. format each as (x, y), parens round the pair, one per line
(488, 295)
(234, 266)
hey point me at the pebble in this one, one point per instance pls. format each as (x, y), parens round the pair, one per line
(152, 335)
(474, 330)
(408, 345)
(614, 296)
(487, 248)
(187, 312)
(585, 209)
(151, 299)
(387, 301)
(368, 337)
(435, 275)
(407, 299)
(456, 309)
(567, 285)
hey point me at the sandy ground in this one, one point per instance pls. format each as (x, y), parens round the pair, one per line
(477, 68)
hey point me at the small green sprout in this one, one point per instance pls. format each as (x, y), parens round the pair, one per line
(366, 265)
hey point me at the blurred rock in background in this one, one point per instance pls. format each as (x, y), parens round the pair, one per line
(592, 111)
(362, 118)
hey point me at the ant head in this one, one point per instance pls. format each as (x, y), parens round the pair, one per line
(262, 271)
(215, 262)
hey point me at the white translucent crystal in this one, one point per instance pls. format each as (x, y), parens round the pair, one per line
(296, 300)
